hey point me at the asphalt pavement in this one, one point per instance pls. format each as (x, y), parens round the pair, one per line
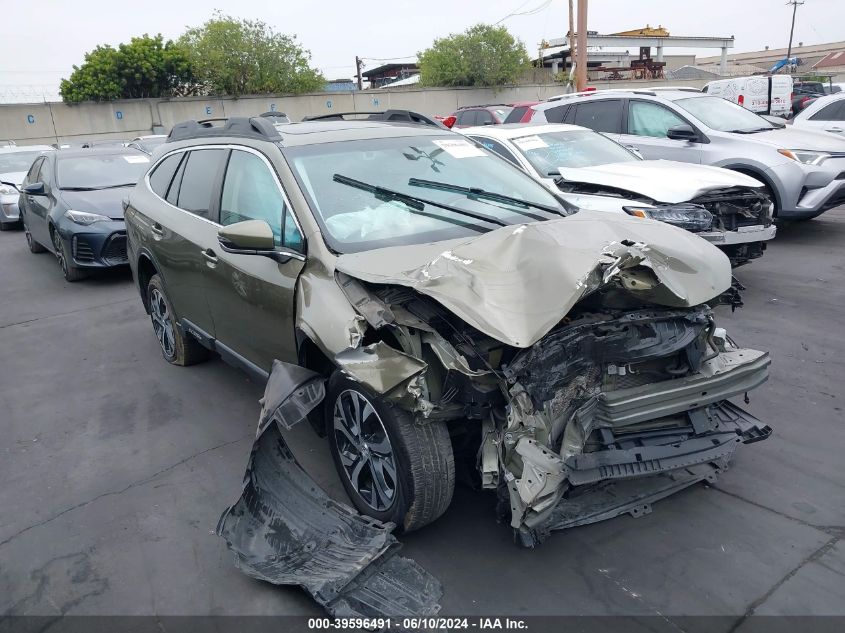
(116, 466)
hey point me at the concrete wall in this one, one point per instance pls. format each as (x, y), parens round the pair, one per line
(58, 122)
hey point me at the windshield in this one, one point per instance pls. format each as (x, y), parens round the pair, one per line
(578, 148)
(724, 116)
(371, 193)
(100, 171)
(17, 161)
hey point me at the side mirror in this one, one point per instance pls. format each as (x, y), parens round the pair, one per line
(682, 133)
(774, 120)
(250, 235)
(254, 237)
(35, 189)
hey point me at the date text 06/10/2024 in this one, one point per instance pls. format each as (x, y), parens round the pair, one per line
(422, 623)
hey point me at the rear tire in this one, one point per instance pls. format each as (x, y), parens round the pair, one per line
(176, 347)
(405, 469)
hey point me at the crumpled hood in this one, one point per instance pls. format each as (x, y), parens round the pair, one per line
(107, 202)
(660, 180)
(791, 137)
(517, 282)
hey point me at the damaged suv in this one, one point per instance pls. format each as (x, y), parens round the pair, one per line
(448, 309)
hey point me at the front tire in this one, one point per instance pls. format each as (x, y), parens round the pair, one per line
(71, 273)
(176, 347)
(392, 467)
(34, 247)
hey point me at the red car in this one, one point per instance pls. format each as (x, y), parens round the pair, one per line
(490, 114)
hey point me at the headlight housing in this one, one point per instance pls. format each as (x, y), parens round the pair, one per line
(686, 216)
(7, 190)
(85, 218)
(804, 156)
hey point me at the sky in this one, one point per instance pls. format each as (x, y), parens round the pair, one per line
(50, 36)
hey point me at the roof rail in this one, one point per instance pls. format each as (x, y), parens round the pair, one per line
(242, 127)
(401, 116)
(272, 113)
(681, 88)
(483, 105)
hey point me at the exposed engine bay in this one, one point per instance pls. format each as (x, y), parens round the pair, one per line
(579, 382)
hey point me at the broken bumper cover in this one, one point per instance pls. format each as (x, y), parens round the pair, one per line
(285, 530)
(612, 483)
(742, 235)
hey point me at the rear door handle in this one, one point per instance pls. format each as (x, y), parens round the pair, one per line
(833, 129)
(157, 228)
(210, 256)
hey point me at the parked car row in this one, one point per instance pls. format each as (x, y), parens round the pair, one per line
(800, 168)
(535, 301)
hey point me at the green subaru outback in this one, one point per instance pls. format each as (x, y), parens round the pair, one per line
(454, 311)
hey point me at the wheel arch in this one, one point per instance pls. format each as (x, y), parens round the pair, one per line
(759, 174)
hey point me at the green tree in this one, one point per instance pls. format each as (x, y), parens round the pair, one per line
(480, 56)
(145, 67)
(237, 57)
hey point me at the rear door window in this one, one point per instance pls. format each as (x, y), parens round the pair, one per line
(651, 119)
(483, 117)
(466, 117)
(199, 174)
(601, 116)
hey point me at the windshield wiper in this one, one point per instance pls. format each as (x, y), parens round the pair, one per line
(416, 205)
(759, 129)
(482, 194)
(128, 184)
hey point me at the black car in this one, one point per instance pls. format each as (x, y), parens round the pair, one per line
(72, 205)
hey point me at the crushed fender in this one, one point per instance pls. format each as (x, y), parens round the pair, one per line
(285, 529)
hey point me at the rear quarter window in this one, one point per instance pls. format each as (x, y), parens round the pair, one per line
(163, 174)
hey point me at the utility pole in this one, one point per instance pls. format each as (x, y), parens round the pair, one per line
(581, 64)
(571, 37)
(794, 4)
(358, 65)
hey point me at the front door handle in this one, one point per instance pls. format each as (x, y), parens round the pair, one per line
(833, 129)
(210, 256)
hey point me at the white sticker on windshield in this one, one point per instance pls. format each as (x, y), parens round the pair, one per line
(529, 142)
(136, 159)
(459, 148)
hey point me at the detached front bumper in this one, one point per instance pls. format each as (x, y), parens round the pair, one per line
(646, 442)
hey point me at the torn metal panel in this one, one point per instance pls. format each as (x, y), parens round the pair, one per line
(324, 314)
(370, 307)
(285, 379)
(285, 530)
(517, 282)
(379, 366)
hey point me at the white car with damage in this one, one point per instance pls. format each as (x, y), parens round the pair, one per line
(589, 170)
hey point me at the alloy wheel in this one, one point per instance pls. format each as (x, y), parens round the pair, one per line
(162, 323)
(60, 251)
(365, 450)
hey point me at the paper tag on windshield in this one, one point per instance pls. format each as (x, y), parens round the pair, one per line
(529, 142)
(136, 159)
(459, 148)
